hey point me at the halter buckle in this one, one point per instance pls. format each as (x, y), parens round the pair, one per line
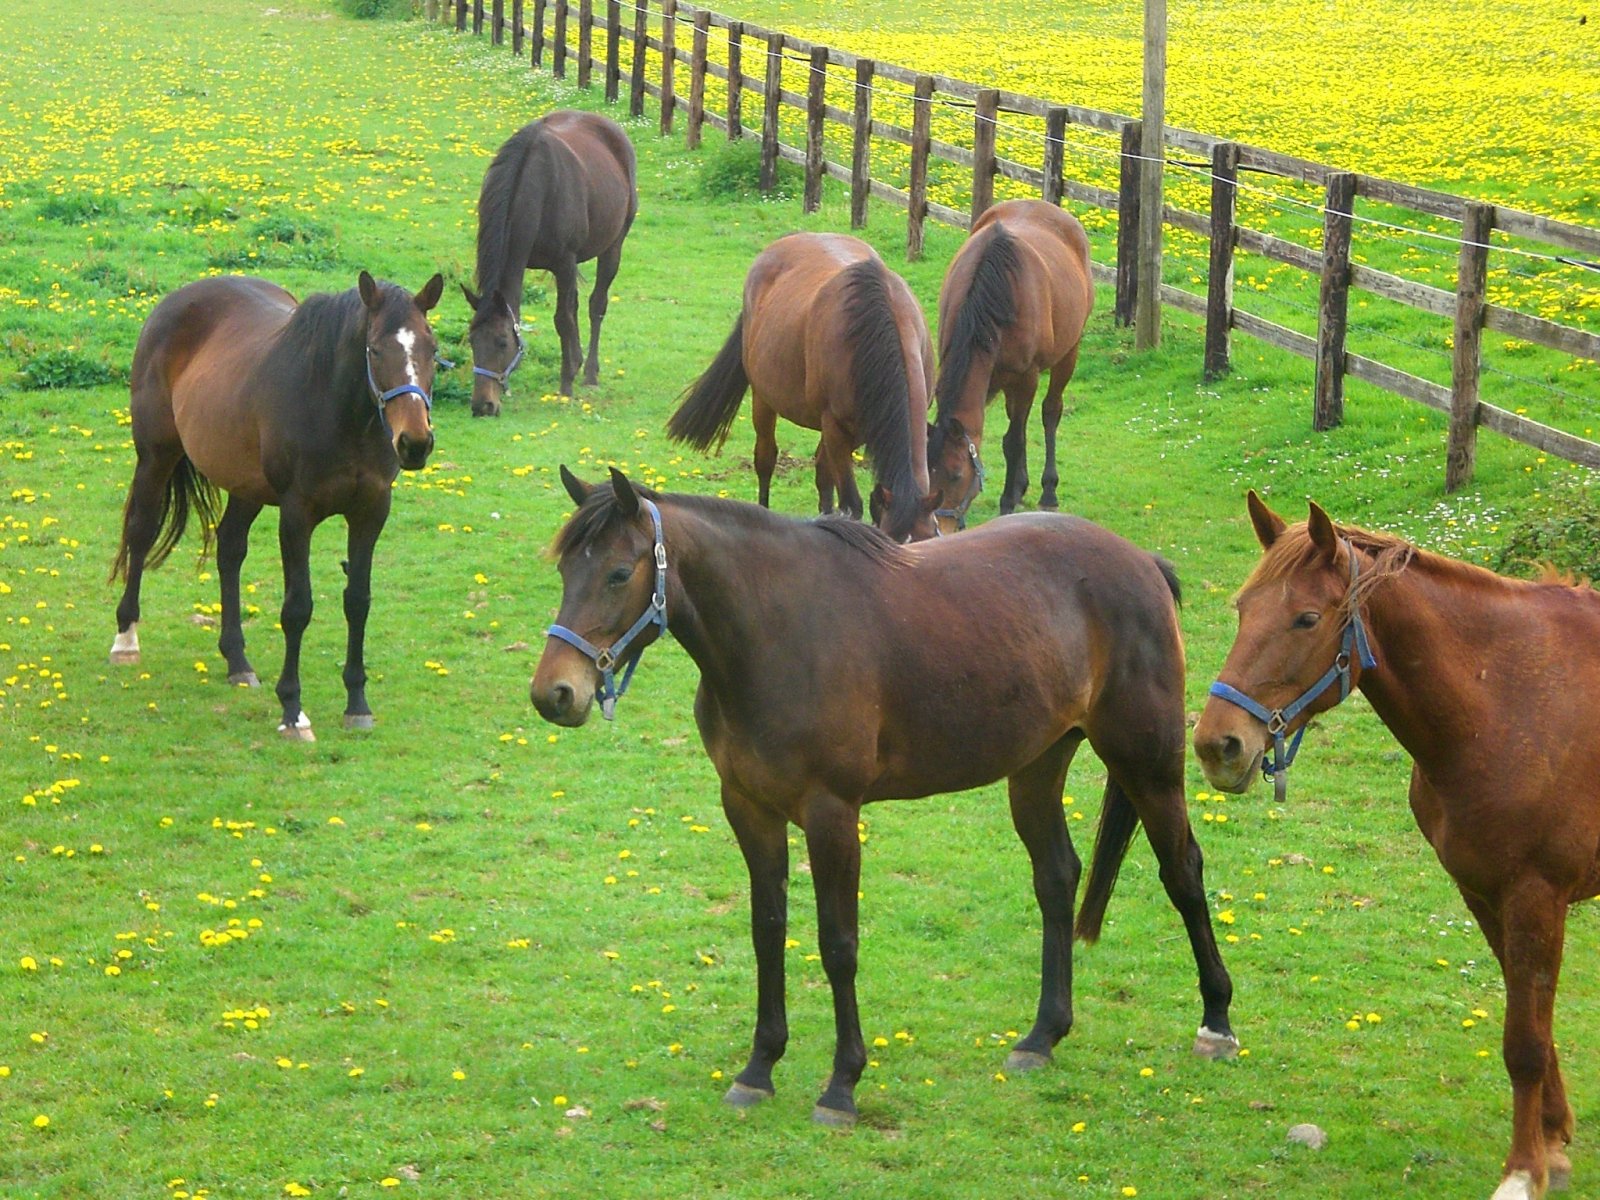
(1276, 723)
(605, 660)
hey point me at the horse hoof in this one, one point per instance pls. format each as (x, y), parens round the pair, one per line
(300, 731)
(1517, 1186)
(358, 720)
(833, 1118)
(1558, 1169)
(1026, 1060)
(742, 1095)
(124, 658)
(1208, 1044)
(244, 679)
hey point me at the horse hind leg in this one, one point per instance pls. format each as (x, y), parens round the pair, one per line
(763, 839)
(838, 446)
(764, 418)
(233, 543)
(566, 322)
(1050, 418)
(834, 847)
(599, 299)
(1019, 403)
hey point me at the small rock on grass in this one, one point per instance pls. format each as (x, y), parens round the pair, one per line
(1308, 1135)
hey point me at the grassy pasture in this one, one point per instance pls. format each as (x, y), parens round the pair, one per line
(485, 959)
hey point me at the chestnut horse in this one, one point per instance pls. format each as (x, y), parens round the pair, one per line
(825, 665)
(832, 340)
(1014, 303)
(312, 407)
(561, 191)
(1485, 681)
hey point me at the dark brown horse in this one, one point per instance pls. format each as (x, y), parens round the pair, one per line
(312, 407)
(561, 191)
(832, 340)
(1487, 682)
(824, 665)
(1013, 304)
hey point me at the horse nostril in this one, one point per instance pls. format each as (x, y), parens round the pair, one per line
(561, 697)
(1232, 748)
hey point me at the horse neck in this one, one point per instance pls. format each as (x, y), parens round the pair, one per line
(966, 398)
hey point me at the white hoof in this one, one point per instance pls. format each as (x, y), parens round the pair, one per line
(1517, 1186)
(301, 731)
(1210, 1044)
(125, 649)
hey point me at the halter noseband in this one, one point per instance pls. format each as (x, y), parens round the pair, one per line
(958, 514)
(607, 660)
(503, 377)
(1277, 720)
(383, 397)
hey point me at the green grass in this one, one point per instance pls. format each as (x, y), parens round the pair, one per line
(337, 146)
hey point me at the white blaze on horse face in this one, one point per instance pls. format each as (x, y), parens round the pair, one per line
(408, 343)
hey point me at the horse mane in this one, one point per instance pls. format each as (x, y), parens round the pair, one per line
(989, 307)
(308, 346)
(598, 512)
(883, 391)
(501, 184)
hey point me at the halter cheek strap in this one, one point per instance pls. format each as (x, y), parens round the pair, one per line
(503, 377)
(608, 659)
(958, 514)
(1277, 720)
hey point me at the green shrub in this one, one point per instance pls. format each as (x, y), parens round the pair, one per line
(1561, 528)
(66, 368)
(370, 10)
(77, 208)
(733, 172)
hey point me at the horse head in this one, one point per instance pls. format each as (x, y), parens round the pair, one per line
(955, 472)
(400, 351)
(496, 349)
(923, 525)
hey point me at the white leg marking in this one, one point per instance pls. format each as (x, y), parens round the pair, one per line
(1516, 1186)
(303, 722)
(125, 649)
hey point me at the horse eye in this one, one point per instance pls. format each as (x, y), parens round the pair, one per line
(619, 576)
(1307, 620)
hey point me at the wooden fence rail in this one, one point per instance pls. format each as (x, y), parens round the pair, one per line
(629, 21)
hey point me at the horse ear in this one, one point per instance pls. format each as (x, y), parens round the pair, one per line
(368, 287)
(430, 293)
(576, 488)
(1268, 523)
(473, 299)
(957, 430)
(627, 498)
(1323, 535)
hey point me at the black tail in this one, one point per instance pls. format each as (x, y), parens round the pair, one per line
(187, 489)
(883, 391)
(1170, 574)
(710, 403)
(1118, 821)
(988, 309)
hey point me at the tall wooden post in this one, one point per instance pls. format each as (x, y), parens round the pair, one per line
(983, 138)
(770, 100)
(558, 61)
(536, 54)
(1128, 225)
(861, 144)
(613, 52)
(1333, 305)
(1152, 148)
(1224, 232)
(585, 41)
(1055, 146)
(516, 28)
(816, 101)
(641, 35)
(669, 62)
(697, 78)
(917, 185)
(497, 23)
(735, 80)
(1471, 281)
(477, 17)
(461, 16)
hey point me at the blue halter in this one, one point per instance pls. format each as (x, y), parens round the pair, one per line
(1278, 720)
(958, 514)
(607, 660)
(503, 377)
(383, 397)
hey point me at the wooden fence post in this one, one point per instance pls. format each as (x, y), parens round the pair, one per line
(558, 60)
(497, 23)
(585, 41)
(697, 78)
(770, 99)
(1224, 232)
(669, 62)
(477, 17)
(613, 56)
(641, 32)
(1334, 304)
(816, 102)
(983, 137)
(536, 54)
(735, 80)
(917, 185)
(461, 16)
(861, 146)
(1055, 145)
(1128, 225)
(516, 28)
(1471, 282)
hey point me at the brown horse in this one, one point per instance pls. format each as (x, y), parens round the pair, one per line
(561, 191)
(1486, 682)
(312, 407)
(824, 663)
(832, 340)
(1014, 303)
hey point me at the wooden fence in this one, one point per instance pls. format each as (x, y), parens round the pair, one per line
(675, 34)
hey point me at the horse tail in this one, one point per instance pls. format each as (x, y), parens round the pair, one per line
(882, 388)
(1118, 821)
(1170, 574)
(187, 490)
(988, 309)
(710, 403)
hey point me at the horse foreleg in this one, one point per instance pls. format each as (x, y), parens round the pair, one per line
(1041, 824)
(824, 476)
(233, 543)
(365, 526)
(566, 276)
(141, 524)
(599, 299)
(1050, 417)
(765, 420)
(763, 837)
(834, 846)
(1019, 403)
(294, 543)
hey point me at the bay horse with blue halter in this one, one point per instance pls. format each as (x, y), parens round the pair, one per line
(1487, 683)
(1014, 303)
(831, 339)
(562, 190)
(312, 407)
(824, 665)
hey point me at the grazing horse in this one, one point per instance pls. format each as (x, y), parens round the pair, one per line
(561, 191)
(833, 340)
(1014, 303)
(1485, 681)
(824, 663)
(313, 407)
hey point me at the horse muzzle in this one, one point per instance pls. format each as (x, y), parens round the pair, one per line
(413, 451)
(1229, 751)
(561, 696)
(486, 397)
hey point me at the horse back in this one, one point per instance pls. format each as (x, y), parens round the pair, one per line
(581, 186)
(1054, 286)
